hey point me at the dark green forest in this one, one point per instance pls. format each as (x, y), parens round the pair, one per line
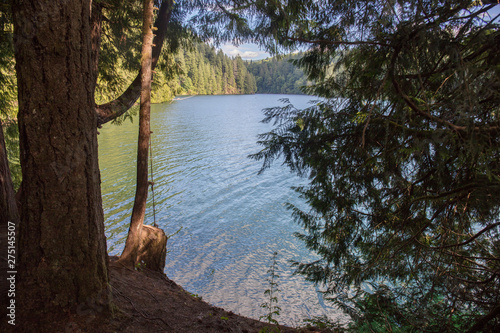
(195, 69)
(201, 69)
(278, 75)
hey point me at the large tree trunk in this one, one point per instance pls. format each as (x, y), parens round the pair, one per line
(129, 255)
(62, 246)
(95, 37)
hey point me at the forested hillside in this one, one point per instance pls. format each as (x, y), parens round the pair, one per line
(196, 70)
(278, 76)
(205, 71)
(199, 69)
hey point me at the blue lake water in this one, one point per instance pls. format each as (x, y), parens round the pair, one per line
(229, 220)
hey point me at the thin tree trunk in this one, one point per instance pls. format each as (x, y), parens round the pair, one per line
(8, 207)
(111, 110)
(9, 219)
(62, 246)
(132, 244)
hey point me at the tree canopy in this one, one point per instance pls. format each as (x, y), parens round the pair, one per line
(402, 155)
(205, 70)
(278, 75)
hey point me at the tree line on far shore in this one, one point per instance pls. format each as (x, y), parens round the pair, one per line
(201, 69)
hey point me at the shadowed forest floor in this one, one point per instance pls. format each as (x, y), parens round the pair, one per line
(146, 301)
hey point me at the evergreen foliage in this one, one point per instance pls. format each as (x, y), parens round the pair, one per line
(119, 54)
(8, 92)
(278, 75)
(7, 75)
(402, 153)
(205, 71)
(119, 58)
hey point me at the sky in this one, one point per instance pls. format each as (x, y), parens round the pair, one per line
(246, 51)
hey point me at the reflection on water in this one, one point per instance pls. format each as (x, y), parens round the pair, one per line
(232, 219)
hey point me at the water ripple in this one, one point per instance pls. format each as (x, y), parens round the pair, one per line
(232, 219)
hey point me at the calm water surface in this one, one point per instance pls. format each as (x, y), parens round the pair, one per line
(231, 220)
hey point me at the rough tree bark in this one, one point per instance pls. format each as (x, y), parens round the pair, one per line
(134, 240)
(62, 242)
(95, 37)
(62, 246)
(152, 250)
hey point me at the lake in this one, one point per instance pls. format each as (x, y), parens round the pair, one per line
(227, 220)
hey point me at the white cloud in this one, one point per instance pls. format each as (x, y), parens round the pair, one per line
(245, 51)
(245, 54)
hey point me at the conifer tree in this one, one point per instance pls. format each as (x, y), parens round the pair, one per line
(402, 153)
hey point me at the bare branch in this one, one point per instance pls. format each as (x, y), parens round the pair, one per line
(336, 42)
(491, 226)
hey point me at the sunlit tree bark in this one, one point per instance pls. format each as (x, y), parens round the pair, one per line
(132, 244)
